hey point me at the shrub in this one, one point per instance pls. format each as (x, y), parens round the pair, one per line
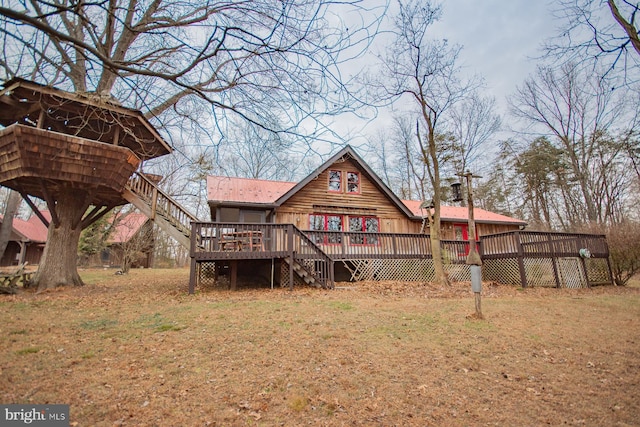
(624, 249)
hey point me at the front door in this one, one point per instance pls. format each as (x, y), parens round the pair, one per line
(461, 233)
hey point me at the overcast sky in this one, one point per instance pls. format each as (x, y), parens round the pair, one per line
(500, 40)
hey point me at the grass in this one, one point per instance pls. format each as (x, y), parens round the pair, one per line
(137, 350)
(28, 350)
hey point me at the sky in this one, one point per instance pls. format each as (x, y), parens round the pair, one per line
(500, 41)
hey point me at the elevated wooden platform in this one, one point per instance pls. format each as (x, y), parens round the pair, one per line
(521, 257)
(39, 162)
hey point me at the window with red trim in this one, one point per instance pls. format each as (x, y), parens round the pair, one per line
(326, 222)
(364, 224)
(335, 181)
(353, 182)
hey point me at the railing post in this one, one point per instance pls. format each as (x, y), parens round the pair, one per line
(552, 252)
(154, 202)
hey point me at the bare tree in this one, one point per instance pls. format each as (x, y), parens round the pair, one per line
(424, 72)
(201, 62)
(250, 59)
(578, 112)
(602, 30)
(473, 123)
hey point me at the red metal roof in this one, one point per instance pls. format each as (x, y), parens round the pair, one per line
(127, 227)
(253, 191)
(32, 229)
(245, 190)
(461, 213)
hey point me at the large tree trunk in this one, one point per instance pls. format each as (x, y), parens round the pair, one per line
(13, 201)
(58, 266)
(436, 251)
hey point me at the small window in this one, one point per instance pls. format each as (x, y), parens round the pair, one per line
(335, 181)
(353, 182)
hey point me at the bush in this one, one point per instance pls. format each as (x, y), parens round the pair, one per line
(624, 249)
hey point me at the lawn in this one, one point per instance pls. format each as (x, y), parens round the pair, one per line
(136, 350)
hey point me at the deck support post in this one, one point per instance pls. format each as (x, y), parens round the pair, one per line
(192, 276)
(233, 280)
(290, 250)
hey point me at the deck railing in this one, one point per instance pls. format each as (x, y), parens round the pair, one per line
(229, 241)
(272, 240)
(238, 240)
(536, 244)
(317, 251)
(161, 203)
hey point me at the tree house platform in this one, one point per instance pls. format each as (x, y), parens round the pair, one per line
(36, 161)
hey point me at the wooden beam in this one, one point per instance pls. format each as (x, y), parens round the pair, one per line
(96, 214)
(116, 136)
(34, 208)
(192, 276)
(41, 117)
(233, 281)
(51, 204)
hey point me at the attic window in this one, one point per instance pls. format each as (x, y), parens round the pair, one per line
(335, 181)
(353, 182)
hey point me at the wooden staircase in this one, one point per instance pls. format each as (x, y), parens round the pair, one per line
(308, 277)
(160, 208)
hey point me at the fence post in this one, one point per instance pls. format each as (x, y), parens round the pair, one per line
(552, 252)
(523, 273)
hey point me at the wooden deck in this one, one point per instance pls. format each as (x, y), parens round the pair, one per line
(319, 250)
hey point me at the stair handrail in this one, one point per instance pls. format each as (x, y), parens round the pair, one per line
(326, 278)
(161, 203)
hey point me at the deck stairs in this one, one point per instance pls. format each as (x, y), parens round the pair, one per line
(176, 221)
(170, 216)
(308, 277)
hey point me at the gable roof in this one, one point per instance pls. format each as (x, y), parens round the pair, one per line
(31, 230)
(348, 153)
(127, 227)
(461, 213)
(253, 192)
(240, 192)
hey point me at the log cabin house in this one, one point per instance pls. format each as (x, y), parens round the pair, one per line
(342, 212)
(343, 194)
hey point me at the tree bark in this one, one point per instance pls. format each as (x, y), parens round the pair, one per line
(436, 251)
(13, 201)
(58, 266)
